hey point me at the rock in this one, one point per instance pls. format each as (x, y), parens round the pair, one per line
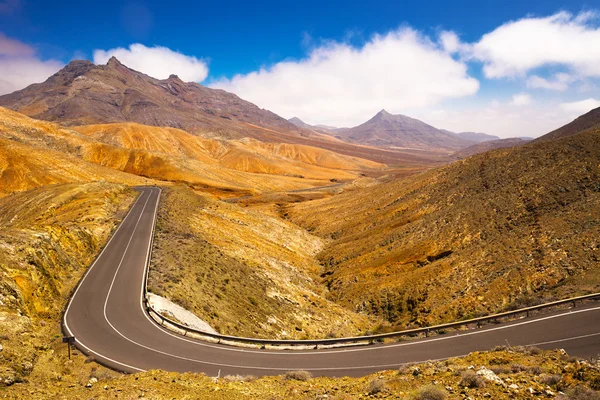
(549, 393)
(1, 348)
(449, 389)
(487, 395)
(91, 382)
(416, 371)
(489, 376)
(513, 386)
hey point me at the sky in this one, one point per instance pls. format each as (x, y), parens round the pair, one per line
(508, 68)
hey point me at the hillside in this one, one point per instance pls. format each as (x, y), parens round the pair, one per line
(49, 236)
(35, 153)
(245, 155)
(497, 230)
(587, 121)
(387, 130)
(488, 146)
(83, 93)
(251, 274)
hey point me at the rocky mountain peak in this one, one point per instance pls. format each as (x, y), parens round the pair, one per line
(113, 62)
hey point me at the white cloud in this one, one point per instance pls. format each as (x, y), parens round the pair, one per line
(338, 84)
(558, 82)
(500, 118)
(158, 62)
(450, 41)
(20, 67)
(581, 106)
(517, 47)
(521, 99)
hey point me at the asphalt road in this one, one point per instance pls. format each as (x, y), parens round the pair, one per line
(109, 322)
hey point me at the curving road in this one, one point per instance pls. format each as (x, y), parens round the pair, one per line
(109, 322)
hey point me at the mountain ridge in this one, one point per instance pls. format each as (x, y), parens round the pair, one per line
(400, 131)
(83, 93)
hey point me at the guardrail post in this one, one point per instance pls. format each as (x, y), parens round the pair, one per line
(574, 304)
(478, 324)
(527, 313)
(427, 333)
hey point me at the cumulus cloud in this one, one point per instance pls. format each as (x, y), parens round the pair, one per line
(339, 84)
(502, 118)
(581, 106)
(521, 99)
(158, 62)
(20, 66)
(517, 47)
(558, 82)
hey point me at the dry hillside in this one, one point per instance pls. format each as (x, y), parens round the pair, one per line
(48, 238)
(250, 274)
(35, 153)
(246, 155)
(497, 230)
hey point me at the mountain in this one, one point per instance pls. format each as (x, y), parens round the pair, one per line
(489, 145)
(588, 121)
(83, 93)
(477, 136)
(494, 231)
(299, 123)
(400, 131)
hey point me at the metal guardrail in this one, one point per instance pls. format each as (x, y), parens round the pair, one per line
(368, 339)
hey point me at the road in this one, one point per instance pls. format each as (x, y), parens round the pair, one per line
(108, 320)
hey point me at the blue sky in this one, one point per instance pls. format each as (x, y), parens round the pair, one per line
(334, 62)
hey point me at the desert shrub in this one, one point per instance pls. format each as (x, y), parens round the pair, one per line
(500, 370)
(580, 393)
(471, 380)
(429, 392)
(298, 375)
(239, 378)
(515, 368)
(535, 370)
(549, 380)
(375, 386)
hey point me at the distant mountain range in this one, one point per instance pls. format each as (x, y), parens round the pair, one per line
(400, 131)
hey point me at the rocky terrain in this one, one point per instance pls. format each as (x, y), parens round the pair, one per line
(497, 230)
(505, 373)
(49, 237)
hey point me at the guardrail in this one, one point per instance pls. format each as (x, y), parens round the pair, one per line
(331, 342)
(356, 340)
